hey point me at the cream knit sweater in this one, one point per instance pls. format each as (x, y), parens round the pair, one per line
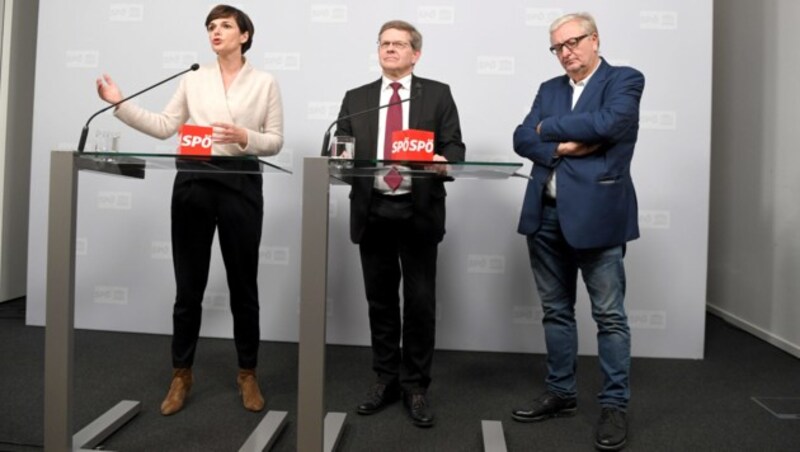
(253, 101)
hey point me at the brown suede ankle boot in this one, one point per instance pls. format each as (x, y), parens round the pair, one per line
(248, 388)
(178, 390)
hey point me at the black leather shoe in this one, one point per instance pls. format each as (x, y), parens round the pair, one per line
(379, 396)
(612, 429)
(544, 407)
(419, 410)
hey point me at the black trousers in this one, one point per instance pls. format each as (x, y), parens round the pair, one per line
(391, 251)
(233, 205)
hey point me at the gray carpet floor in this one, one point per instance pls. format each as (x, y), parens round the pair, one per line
(676, 405)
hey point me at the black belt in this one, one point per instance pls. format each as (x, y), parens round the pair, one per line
(406, 197)
(548, 201)
(392, 207)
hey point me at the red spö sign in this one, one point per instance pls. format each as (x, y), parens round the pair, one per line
(195, 140)
(412, 144)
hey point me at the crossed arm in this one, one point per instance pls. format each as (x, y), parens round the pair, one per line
(544, 138)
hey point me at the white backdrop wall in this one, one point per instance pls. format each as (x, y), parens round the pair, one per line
(493, 54)
(17, 62)
(755, 241)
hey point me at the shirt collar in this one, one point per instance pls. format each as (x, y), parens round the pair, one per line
(585, 81)
(405, 81)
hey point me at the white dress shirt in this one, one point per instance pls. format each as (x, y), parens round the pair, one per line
(577, 90)
(386, 94)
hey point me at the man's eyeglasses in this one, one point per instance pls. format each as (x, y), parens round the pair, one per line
(399, 45)
(570, 44)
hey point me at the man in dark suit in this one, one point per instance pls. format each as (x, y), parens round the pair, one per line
(398, 221)
(579, 212)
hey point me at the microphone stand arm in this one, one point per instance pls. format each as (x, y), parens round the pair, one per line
(327, 138)
(85, 130)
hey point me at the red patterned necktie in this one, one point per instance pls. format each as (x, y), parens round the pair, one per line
(394, 122)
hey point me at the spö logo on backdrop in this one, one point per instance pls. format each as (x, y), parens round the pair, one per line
(329, 14)
(110, 295)
(327, 111)
(658, 20)
(542, 17)
(658, 120)
(126, 12)
(177, 59)
(436, 15)
(647, 320)
(495, 65)
(114, 200)
(526, 315)
(82, 59)
(486, 263)
(274, 255)
(281, 61)
(654, 219)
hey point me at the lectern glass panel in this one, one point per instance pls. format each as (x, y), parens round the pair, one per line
(342, 169)
(316, 430)
(65, 167)
(135, 164)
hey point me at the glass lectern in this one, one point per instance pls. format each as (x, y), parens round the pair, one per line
(316, 430)
(58, 398)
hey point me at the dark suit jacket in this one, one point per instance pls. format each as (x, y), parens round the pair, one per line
(596, 199)
(432, 108)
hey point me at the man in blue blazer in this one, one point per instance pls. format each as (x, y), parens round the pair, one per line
(398, 226)
(579, 212)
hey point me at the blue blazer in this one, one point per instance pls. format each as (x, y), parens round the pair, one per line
(596, 199)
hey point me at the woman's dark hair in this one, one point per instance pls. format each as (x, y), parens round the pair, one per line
(242, 21)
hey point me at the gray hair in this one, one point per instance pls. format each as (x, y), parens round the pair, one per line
(585, 19)
(416, 36)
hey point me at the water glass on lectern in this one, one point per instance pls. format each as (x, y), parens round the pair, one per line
(343, 147)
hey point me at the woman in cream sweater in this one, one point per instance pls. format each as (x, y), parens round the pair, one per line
(243, 105)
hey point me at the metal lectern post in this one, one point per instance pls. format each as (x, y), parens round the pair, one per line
(60, 303)
(312, 434)
(59, 318)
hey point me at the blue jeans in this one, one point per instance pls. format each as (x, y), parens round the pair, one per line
(555, 268)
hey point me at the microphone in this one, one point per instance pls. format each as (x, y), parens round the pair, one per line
(85, 131)
(327, 138)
